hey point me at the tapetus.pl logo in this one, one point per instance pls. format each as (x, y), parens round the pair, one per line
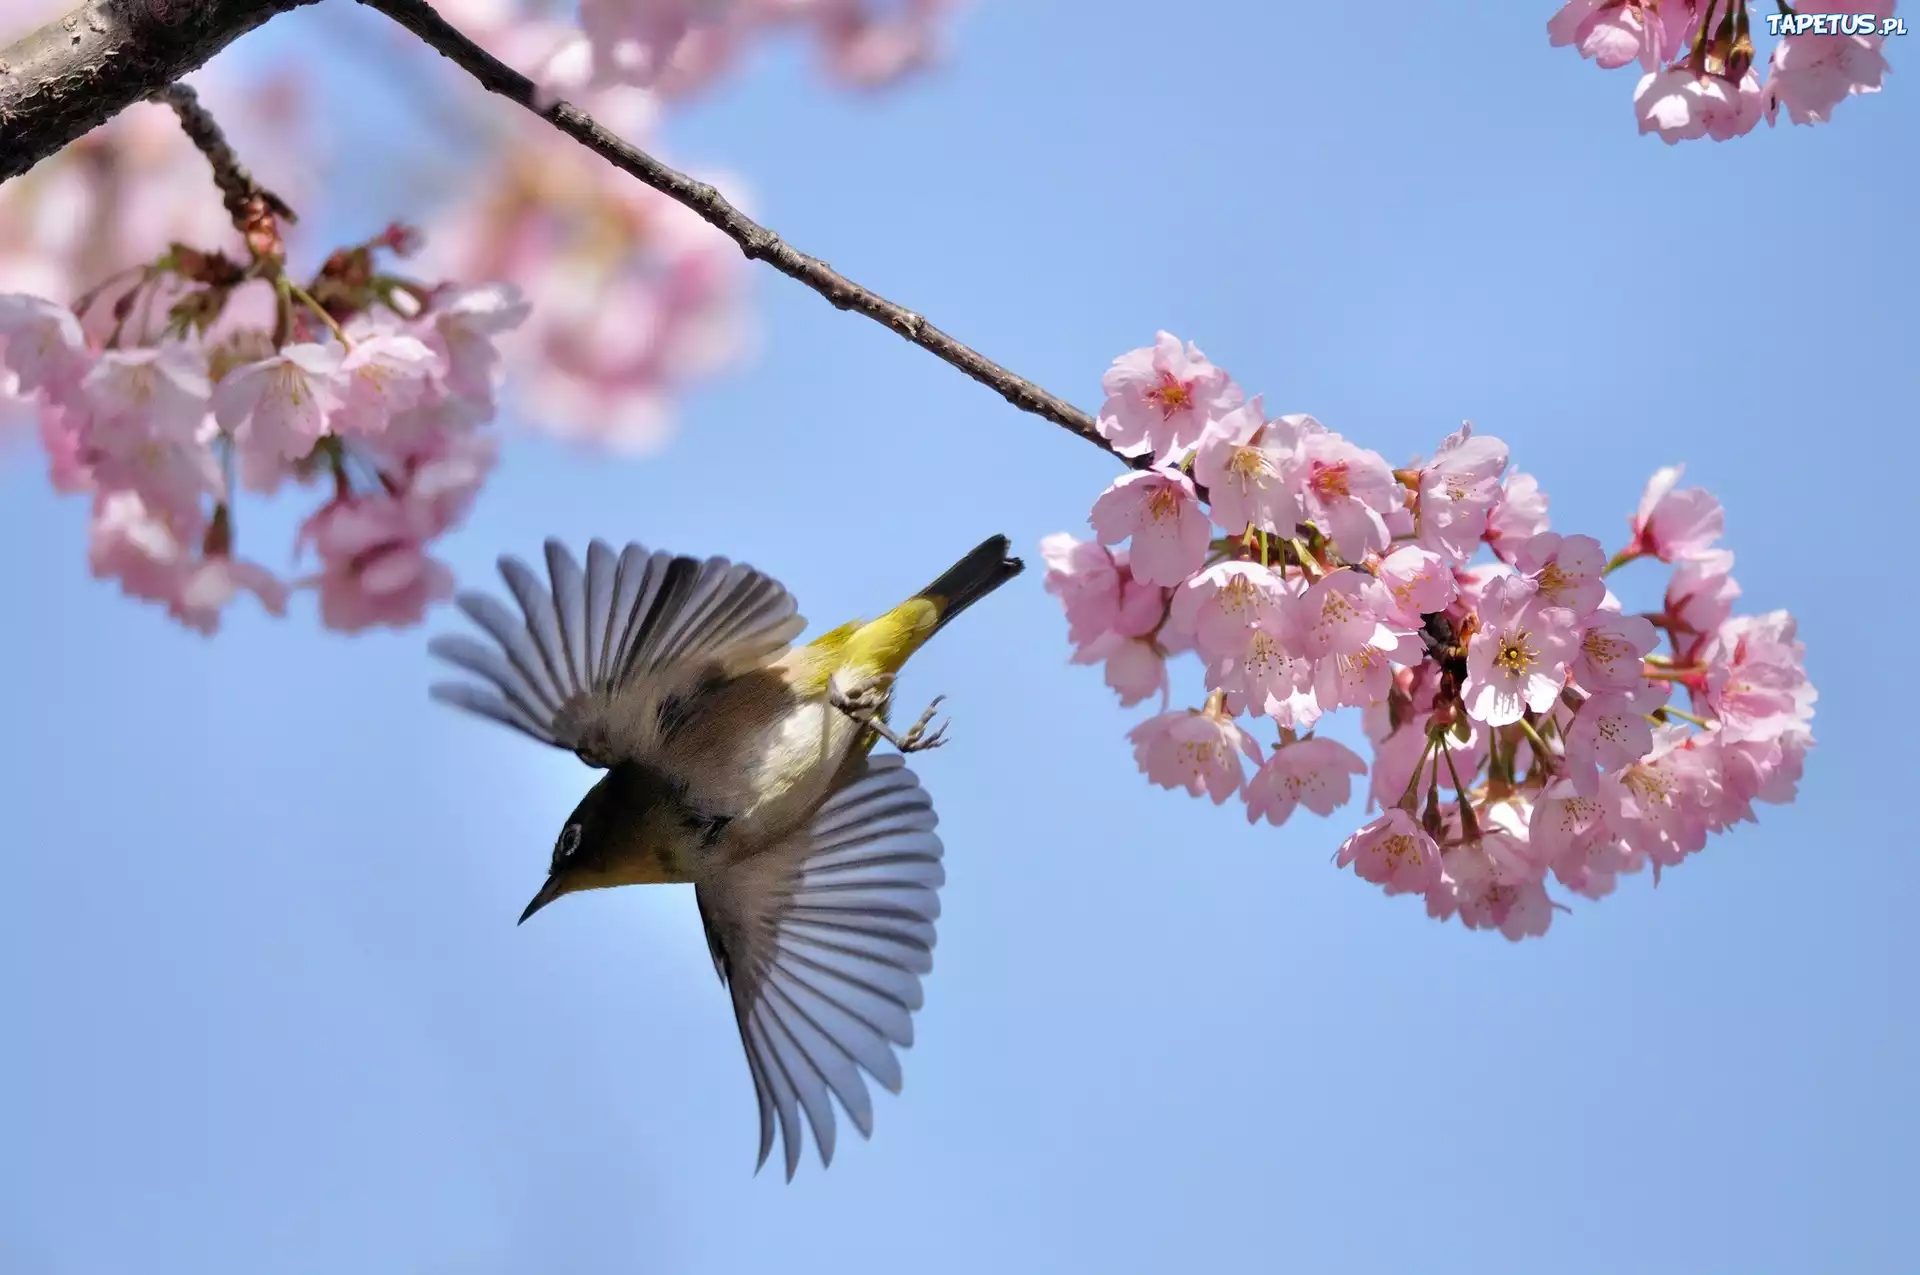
(1834, 24)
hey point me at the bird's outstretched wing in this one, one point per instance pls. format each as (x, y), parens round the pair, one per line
(566, 669)
(822, 940)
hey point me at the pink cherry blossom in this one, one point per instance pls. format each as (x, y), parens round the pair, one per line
(1615, 33)
(147, 392)
(1082, 574)
(1219, 605)
(1673, 525)
(1239, 462)
(173, 476)
(1341, 613)
(1345, 491)
(1263, 672)
(1611, 731)
(1517, 661)
(1811, 74)
(1195, 749)
(1570, 834)
(385, 373)
(1566, 571)
(208, 587)
(1458, 490)
(63, 436)
(1135, 667)
(1159, 509)
(1160, 398)
(41, 346)
(1753, 770)
(1701, 591)
(1518, 516)
(1681, 104)
(139, 549)
(1316, 773)
(1418, 581)
(1491, 884)
(1756, 683)
(464, 323)
(1658, 804)
(1563, 763)
(278, 406)
(1393, 851)
(1612, 651)
(374, 568)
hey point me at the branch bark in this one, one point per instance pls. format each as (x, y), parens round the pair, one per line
(75, 73)
(756, 241)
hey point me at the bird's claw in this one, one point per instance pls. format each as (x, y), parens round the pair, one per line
(918, 737)
(864, 704)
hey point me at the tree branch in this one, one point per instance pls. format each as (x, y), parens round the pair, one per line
(238, 190)
(59, 83)
(755, 241)
(252, 206)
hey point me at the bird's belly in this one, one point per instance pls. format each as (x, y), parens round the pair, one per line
(788, 774)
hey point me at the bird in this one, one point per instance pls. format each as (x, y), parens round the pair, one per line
(747, 767)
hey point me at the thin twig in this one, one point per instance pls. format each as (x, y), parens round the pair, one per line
(756, 241)
(238, 189)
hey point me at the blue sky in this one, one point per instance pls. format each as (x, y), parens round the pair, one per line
(268, 1009)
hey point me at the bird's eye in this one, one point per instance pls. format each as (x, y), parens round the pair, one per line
(569, 839)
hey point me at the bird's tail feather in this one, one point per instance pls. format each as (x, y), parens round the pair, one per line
(970, 579)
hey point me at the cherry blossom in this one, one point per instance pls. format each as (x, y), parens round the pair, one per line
(1196, 749)
(1808, 75)
(1345, 491)
(1517, 662)
(1675, 524)
(1699, 77)
(1238, 460)
(1525, 733)
(1458, 490)
(1160, 398)
(1395, 852)
(1315, 773)
(1701, 594)
(1160, 511)
(1519, 515)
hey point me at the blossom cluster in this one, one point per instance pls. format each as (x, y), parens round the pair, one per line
(215, 375)
(1520, 718)
(1697, 60)
(640, 299)
(681, 46)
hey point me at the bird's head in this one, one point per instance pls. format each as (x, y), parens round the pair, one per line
(632, 828)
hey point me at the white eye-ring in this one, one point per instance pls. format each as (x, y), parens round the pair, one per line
(569, 839)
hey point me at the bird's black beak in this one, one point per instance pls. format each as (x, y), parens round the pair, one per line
(548, 893)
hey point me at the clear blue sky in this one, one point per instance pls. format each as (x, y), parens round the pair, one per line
(267, 1009)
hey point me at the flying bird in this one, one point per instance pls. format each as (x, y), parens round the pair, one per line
(745, 766)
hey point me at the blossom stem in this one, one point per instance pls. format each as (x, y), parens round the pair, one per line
(1469, 824)
(1670, 673)
(1542, 756)
(1410, 799)
(1308, 563)
(1662, 714)
(251, 206)
(1621, 559)
(306, 298)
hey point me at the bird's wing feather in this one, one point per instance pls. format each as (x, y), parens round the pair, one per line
(562, 669)
(822, 940)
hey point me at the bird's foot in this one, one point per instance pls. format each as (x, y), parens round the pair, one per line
(864, 705)
(918, 737)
